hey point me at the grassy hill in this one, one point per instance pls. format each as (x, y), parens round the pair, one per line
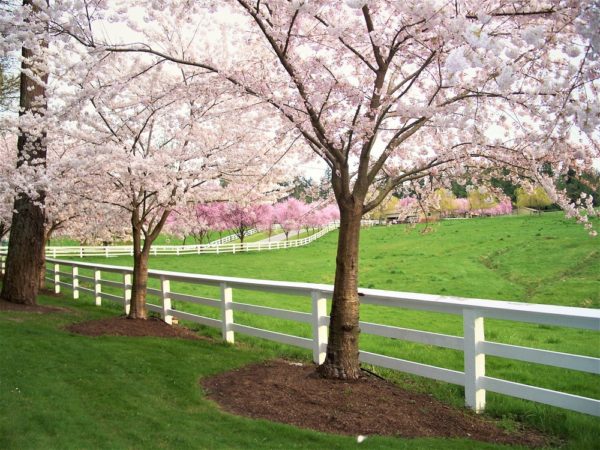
(538, 259)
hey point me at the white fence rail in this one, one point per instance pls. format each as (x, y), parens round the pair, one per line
(212, 248)
(472, 343)
(232, 237)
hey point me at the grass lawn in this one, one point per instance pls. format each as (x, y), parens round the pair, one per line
(541, 259)
(59, 390)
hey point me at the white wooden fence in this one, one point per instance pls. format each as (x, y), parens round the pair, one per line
(213, 247)
(232, 237)
(472, 343)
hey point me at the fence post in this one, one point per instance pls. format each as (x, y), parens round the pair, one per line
(81, 252)
(127, 291)
(98, 287)
(227, 313)
(2, 265)
(319, 327)
(474, 362)
(165, 288)
(54, 252)
(75, 272)
(56, 278)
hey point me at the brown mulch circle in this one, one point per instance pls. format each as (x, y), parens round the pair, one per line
(122, 326)
(39, 309)
(293, 393)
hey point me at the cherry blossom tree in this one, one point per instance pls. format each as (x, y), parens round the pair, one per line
(28, 28)
(289, 215)
(330, 213)
(390, 93)
(97, 224)
(7, 165)
(267, 220)
(153, 141)
(241, 218)
(217, 218)
(191, 220)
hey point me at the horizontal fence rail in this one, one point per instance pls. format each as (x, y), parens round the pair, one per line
(472, 343)
(232, 237)
(176, 250)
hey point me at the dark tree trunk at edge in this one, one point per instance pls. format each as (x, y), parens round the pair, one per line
(25, 253)
(25, 247)
(341, 361)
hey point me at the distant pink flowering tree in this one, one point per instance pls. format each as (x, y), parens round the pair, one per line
(266, 219)
(331, 213)
(321, 216)
(191, 220)
(241, 218)
(462, 206)
(503, 208)
(216, 217)
(289, 215)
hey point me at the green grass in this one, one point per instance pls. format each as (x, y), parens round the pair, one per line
(540, 259)
(524, 258)
(59, 390)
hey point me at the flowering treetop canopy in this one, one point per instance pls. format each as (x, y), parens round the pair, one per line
(386, 92)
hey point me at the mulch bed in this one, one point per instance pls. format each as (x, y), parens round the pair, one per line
(122, 326)
(293, 393)
(38, 309)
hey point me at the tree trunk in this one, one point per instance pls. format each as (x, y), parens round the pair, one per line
(25, 247)
(25, 253)
(141, 254)
(341, 361)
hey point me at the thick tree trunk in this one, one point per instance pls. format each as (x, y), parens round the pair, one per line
(25, 253)
(342, 349)
(141, 254)
(24, 259)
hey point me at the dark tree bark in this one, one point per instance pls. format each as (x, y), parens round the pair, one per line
(142, 243)
(141, 254)
(25, 248)
(341, 361)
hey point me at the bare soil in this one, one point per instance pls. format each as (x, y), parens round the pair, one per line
(39, 309)
(122, 326)
(293, 393)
